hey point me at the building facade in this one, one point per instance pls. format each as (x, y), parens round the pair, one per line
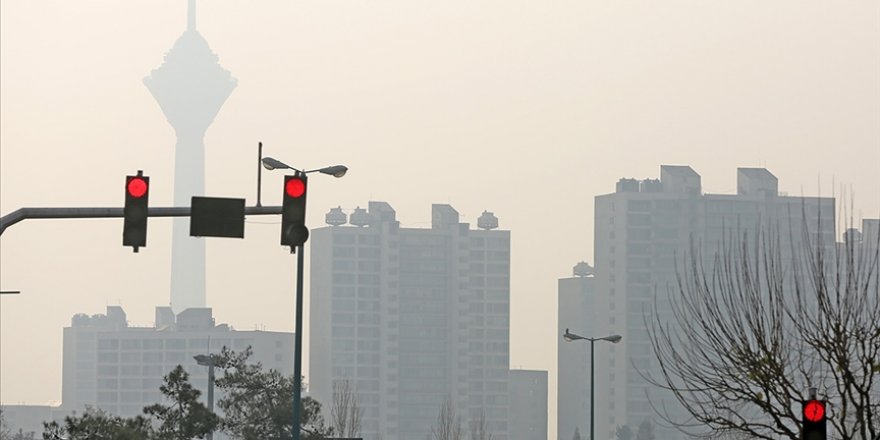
(528, 405)
(27, 420)
(412, 317)
(577, 314)
(645, 233)
(118, 368)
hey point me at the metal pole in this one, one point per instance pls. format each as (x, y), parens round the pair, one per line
(297, 348)
(592, 392)
(22, 214)
(259, 170)
(211, 390)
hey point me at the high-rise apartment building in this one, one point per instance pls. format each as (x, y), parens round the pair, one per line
(412, 317)
(119, 368)
(577, 313)
(528, 405)
(644, 233)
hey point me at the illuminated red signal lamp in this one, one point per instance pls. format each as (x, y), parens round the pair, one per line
(295, 187)
(814, 420)
(137, 187)
(814, 411)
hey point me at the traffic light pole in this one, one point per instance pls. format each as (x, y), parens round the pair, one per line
(297, 348)
(49, 213)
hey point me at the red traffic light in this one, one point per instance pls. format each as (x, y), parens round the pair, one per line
(814, 411)
(295, 188)
(137, 187)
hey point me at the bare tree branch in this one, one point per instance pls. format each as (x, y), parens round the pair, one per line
(346, 412)
(757, 324)
(448, 425)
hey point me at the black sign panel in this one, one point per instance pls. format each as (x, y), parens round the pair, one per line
(217, 217)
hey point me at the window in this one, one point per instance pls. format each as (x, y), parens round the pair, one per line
(343, 238)
(111, 357)
(108, 344)
(108, 384)
(369, 252)
(176, 344)
(108, 397)
(343, 252)
(131, 344)
(130, 384)
(108, 370)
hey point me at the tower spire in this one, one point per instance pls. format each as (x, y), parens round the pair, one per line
(191, 16)
(190, 87)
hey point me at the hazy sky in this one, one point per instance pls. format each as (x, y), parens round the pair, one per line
(525, 108)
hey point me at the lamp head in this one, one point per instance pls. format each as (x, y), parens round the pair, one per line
(335, 171)
(271, 164)
(613, 338)
(568, 336)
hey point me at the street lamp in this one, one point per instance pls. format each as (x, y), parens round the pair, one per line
(569, 337)
(210, 361)
(335, 171)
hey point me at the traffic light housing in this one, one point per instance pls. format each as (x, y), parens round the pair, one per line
(137, 194)
(814, 420)
(293, 211)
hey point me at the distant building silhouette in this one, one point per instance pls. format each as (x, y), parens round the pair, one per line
(190, 87)
(28, 419)
(528, 405)
(412, 317)
(642, 231)
(577, 312)
(119, 368)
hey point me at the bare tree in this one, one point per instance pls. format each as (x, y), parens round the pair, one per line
(765, 322)
(646, 431)
(346, 412)
(623, 433)
(5, 432)
(480, 428)
(448, 425)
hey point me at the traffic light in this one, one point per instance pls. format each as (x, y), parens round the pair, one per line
(137, 193)
(814, 418)
(293, 211)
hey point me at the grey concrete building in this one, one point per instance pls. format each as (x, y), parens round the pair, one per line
(28, 420)
(119, 368)
(576, 313)
(528, 405)
(642, 231)
(412, 317)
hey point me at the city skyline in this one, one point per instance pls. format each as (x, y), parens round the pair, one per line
(567, 99)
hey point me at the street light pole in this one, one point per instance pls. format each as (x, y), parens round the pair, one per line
(335, 171)
(297, 348)
(259, 170)
(569, 336)
(209, 360)
(592, 390)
